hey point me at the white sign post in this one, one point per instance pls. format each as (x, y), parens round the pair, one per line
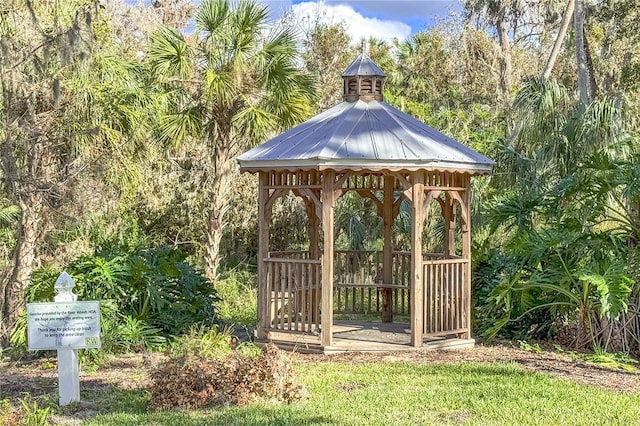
(65, 326)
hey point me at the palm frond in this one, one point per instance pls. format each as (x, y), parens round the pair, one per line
(176, 127)
(211, 15)
(254, 123)
(9, 215)
(220, 87)
(614, 288)
(169, 54)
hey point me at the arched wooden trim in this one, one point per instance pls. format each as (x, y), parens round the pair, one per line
(433, 195)
(405, 185)
(464, 207)
(274, 196)
(369, 194)
(310, 196)
(396, 205)
(341, 179)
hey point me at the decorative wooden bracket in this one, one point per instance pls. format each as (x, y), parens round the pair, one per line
(311, 197)
(277, 193)
(455, 195)
(369, 194)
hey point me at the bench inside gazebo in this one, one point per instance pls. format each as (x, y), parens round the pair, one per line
(308, 299)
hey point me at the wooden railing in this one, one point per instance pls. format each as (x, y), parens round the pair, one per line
(359, 285)
(290, 254)
(445, 297)
(294, 294)
(294, 286)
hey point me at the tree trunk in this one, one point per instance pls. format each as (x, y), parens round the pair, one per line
(16, 280)
(566, 19)
(505, 59)
(584, 80)
(219, 205)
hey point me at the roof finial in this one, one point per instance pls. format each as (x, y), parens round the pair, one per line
(364, 48)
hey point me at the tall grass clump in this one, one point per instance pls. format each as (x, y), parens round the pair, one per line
(238, 298)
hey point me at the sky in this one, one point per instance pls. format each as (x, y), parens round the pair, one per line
(383, 19)
(386, 19)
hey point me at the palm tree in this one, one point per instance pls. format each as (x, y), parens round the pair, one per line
(232, 86)
(555, 133)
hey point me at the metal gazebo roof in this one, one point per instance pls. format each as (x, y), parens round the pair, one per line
(364, 135)
(364, 66)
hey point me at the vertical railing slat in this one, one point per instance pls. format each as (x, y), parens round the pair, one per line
(304, 297)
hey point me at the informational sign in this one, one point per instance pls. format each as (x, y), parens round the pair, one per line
(63, 325)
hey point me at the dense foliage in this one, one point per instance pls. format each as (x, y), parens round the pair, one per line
(147, 296)
(113, 113)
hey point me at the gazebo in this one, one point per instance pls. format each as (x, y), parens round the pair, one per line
(365, 145)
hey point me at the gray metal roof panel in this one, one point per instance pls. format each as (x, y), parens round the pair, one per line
(357, 132)
(363, 65)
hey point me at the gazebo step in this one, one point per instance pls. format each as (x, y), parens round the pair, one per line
(303, 348)
(344, 345)
(449, 344)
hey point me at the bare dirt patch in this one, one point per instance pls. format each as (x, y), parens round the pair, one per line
(40, 377)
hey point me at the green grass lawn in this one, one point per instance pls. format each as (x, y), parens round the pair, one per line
(388, 393)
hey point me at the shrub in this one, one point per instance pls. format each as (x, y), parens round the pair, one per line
(193, 382)
(145, 294)
(156, 285)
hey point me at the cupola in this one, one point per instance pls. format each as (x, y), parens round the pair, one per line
(363, 80)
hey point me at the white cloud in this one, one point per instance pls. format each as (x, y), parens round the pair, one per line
(357, 25)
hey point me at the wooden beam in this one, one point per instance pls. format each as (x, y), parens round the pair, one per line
(396, 205)
(387, 252)
(432, 195)
(264, 221)
(442, 188)
(449, 217)
(314, 234)
(328, 200)
(294, 186)
(466, 252)
(403, 181)
(416, 283)
(341, 180)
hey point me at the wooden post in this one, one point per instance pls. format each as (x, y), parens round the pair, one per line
(311, 294)
(314, 237)
(326, 315)
(417, 225)
(387, 255)
(466, 253)
(264, 221)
